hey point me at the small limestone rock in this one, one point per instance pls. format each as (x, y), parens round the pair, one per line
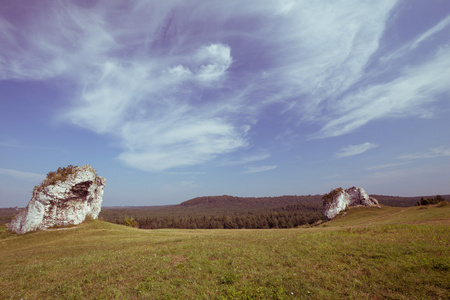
(339, 200)
(65, 197)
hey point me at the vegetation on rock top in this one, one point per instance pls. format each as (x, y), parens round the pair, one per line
(53, 177)
(328, 198)
(60, 175)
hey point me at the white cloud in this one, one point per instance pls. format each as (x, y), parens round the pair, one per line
(209, 64)
(22, 175)
(160, 85)
(180, 71)
(429, 33)
(215, 59)
(184, 143)
(57, 40)
(405, 96)
(253, 158)
(246, 159)
(180, 83)
(331, 54)
(258, 169)
(157, 127)
(386, 166)
(431, 153)
(415, 43)
(354, 150)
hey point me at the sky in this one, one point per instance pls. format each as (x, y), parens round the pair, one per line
(171, 100)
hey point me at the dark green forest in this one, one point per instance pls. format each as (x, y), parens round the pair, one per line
(228, 212)
(7, 214)
(430, 200)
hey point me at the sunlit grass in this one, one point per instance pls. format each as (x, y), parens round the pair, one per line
(363, 216)
(107, 261)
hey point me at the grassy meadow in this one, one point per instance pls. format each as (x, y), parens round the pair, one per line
(370, 253)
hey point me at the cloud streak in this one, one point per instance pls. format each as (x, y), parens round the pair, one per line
(258, 169)
(179, 84)
(387, 166)
(405, 96)
(22, 175)
(354, 150)
(431, 153)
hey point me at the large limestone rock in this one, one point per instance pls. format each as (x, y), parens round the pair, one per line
(65, 197)
(338, 200)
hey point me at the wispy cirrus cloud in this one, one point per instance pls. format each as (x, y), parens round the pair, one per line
(246, 159)
(29, 176)
(405, 96)
(431, 153)
(354, 150)
(416, 42)
(16, 144)
(258, 169)
(406, 159)
(418, 83)
(178, 84)
(148, 106)
(387, 166)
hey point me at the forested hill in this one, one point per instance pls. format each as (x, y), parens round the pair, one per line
(239, 204)
(402, 201)
(223, 212)
(248, 204)
(234, 212)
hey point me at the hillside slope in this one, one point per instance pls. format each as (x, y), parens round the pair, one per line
(370, 216)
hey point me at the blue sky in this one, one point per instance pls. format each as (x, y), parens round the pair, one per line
(169, 100)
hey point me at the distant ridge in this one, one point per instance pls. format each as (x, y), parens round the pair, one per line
(398, 201)
(248, 202)
(227, 201)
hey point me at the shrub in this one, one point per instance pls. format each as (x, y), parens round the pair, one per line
(328, 198)
(130, 221)
(427, 201)
(443, 203)
(53, 177)
(89, 217)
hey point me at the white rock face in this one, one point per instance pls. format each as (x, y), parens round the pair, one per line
(353, 196)
(63, 203)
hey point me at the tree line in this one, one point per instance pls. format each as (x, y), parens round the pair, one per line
(249, 221)
(430, 200)
(222, 212)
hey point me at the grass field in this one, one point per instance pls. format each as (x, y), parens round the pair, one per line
(370, 253)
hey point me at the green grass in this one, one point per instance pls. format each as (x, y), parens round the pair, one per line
(393, 253)
(363, 216)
